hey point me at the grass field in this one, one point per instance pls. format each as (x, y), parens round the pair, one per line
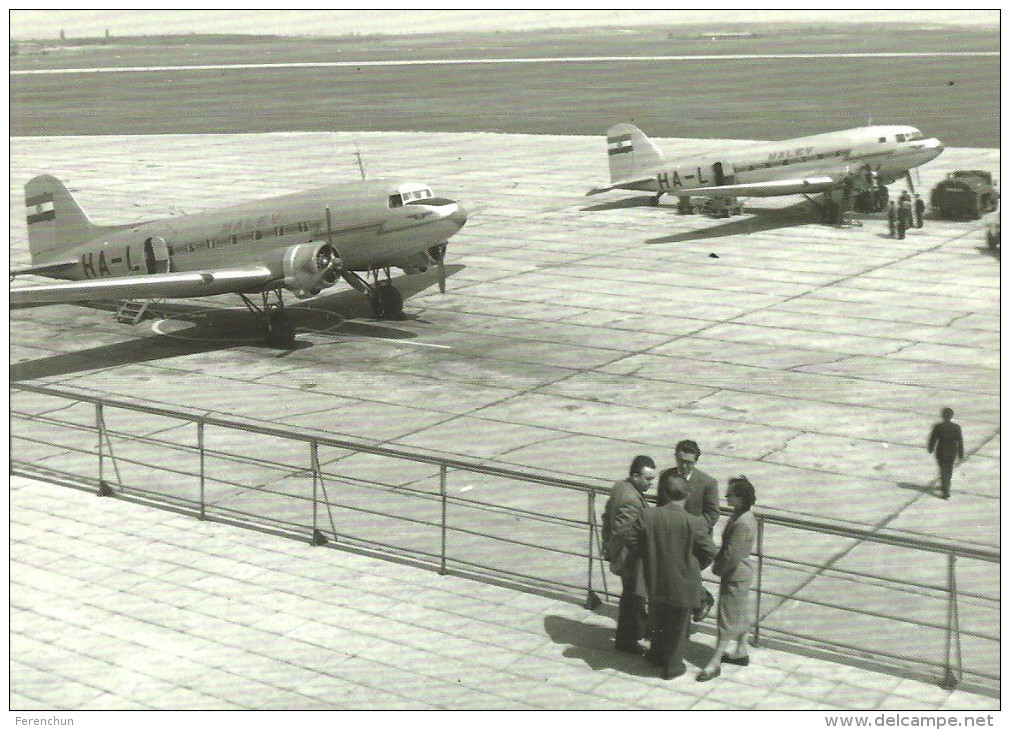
(955, 98)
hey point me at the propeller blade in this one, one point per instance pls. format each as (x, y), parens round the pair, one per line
(441, 275)
(908, 179)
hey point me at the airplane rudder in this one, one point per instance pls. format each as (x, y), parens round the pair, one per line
(56, 222)
(630, 152)
(620, 151)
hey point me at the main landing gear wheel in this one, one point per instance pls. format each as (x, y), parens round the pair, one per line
(280, 332)
(387, 302)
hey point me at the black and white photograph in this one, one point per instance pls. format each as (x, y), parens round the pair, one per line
(505, 360)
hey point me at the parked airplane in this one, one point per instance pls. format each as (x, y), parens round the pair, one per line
(858, 159)
(301, 242)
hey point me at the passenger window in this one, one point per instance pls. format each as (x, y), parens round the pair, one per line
(899, 138)
(883, 139)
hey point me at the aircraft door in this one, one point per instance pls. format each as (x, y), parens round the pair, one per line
(721, 178)
(156, 255)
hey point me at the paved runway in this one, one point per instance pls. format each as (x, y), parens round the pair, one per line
(576, 331)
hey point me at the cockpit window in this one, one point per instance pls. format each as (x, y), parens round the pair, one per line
(409, 194)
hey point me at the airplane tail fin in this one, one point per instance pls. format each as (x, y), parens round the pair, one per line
(56, 223)
(630, 152)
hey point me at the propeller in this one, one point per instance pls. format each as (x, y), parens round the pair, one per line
(908, 179)
(328, 260)
(438, 254)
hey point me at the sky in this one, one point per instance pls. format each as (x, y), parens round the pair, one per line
(44, 24)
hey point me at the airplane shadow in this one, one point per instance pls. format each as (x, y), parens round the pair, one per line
(765, 219)
(594, 645)
(217, 329)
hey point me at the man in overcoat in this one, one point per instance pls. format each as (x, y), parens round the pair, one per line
(620, 517)
(675, 547)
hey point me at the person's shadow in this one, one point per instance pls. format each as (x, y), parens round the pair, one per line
(594, 644)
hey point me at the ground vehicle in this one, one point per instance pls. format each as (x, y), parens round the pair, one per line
(964, 195)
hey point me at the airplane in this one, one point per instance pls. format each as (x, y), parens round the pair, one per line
(851, 161)
(301, 242)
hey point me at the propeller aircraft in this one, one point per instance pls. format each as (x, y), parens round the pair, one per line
(302, 243)
(853, 160)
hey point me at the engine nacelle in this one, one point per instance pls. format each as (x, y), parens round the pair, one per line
(416, 264)
(423, 260)
(309, 268)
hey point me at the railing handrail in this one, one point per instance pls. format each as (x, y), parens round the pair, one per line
(768, 515)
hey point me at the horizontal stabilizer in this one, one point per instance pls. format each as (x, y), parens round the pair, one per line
(52, 269)
(644, 183)
(149, 286)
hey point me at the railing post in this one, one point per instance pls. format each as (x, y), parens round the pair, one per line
(950, 680)
(200, 447)
(317, 535)
(443, 493)
(103, 488)
(760, 571)
(592, 600)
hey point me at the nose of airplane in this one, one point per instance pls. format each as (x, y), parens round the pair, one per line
(458, 216)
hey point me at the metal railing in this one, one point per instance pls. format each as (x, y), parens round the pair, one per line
(885, 599)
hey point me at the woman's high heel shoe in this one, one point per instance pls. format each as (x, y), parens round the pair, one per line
(704, 675)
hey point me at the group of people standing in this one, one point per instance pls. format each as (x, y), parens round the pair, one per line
(905, 215)
(659, 553)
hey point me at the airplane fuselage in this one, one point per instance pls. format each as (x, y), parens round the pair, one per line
(367, 231)
(816, 162)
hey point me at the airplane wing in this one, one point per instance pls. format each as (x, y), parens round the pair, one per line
(150, 286)
(797, 186)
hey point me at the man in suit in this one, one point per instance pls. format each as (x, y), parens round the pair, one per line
(920, 210)
(675, 546)
(620, 517)
(702, 490)
(702, 501)
(946, 442)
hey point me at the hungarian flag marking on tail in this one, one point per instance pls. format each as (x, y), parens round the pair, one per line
(619, 144)
(40, 208)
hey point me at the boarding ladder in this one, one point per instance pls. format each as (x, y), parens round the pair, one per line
(132, 311)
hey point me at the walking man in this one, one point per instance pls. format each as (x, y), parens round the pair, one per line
(675, 546)
(892, 218)
(920, 210)
(620, 519)
(946, 443)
